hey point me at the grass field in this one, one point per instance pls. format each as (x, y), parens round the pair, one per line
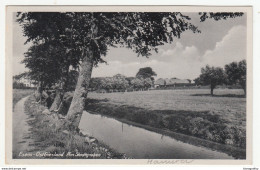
(221, 118)
(18, 94)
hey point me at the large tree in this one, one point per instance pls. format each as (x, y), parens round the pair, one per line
(236, 73)
(89, 34)
(146, 72)
(119, 82)
(95, 83)
(212, 76)
(42, 68)
(49, 68)
(148, 83)
(137, 84)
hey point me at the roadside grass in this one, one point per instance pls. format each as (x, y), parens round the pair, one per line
(18, 94)
(50, 136)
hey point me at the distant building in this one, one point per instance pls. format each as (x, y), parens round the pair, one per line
(24, 80)
(167, 81)
(27, 82)
(159, 82)
(173, 82)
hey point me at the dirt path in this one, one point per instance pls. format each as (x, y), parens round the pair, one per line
(22, 142)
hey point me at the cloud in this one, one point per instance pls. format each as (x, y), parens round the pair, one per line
(211, 31)
(163, 69)
(172, 51)
(180, 52)
(218, 44)
(231, 48)
(182, 61)
(175, 61)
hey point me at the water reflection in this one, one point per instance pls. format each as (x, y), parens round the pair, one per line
(140, 143)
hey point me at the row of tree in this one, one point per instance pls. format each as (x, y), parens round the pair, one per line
(233, 74)
(120, 83)
(143, 81)
(64, 41)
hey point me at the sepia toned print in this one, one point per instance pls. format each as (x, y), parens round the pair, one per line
(129, 85)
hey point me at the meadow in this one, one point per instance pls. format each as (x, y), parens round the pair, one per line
(220, 118)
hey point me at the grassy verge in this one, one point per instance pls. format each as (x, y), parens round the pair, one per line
(18, 94)
(214, 131)
(51, 137)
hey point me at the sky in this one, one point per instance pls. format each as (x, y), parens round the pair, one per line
(219, 43)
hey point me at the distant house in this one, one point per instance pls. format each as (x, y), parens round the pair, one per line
(159, 82)
(173, 82)
(179, 82)
(167, 81)
(25, 80)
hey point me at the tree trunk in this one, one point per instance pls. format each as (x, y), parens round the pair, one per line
(78, 102)
(244, 88)
(57, 100)
(211, 90)
(60, 89)
(38, 93)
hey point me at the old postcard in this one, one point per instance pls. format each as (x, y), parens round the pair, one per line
(128, 85)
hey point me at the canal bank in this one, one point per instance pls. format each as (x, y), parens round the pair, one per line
(107, 129)
(51, 139)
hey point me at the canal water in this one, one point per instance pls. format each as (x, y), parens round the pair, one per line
(140, 143)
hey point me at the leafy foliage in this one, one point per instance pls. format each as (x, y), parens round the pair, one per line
(49, 62)
(140, 31)
(19, 76)
(219, 15)
(148, 83)
(236, 73)
(146, 72)
(43, 66)
(212, 76)
(72, 80)
(119, 83)
(137, 83)
(77, 31)
(95, 83)
(197, 81)
(83, 39)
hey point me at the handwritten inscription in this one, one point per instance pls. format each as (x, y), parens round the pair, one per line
(179, 161)
(61, 155)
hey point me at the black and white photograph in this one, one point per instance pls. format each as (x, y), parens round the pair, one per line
(130, 84)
